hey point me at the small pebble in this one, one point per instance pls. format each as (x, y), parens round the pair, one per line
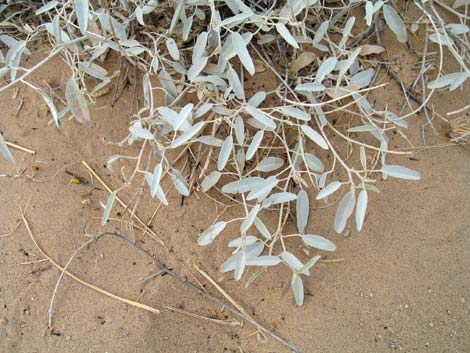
(462, 300)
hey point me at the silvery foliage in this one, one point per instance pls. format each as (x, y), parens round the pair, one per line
(264, 155)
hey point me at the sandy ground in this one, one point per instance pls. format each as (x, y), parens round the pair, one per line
(401, 285)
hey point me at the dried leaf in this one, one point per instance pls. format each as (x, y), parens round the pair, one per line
(77, 102)
(303, 60)
(369, 49)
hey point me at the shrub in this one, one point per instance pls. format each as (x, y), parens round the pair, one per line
(262, 156)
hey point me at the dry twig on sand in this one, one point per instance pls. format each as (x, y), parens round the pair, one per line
(236, 309)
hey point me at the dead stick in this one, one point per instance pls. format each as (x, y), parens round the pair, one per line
(216, 321)
(18, 147)
(166, 271)
(98, 289)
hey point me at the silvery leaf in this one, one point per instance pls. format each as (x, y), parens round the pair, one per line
(363, 157)
(172, 48)
(363, 78)
(211, 233)
(45, 8)
(262, 228)
(314, 136)
(321, 31)
(291, 260)
(318, 242)
(203, 109)
(344, 211)
(137, 130)
(460, 3)
(242, 241)
(169, 115)
(328, 190)
(186, 136)
(166, 81)
(310, 87)
(240, 264)
(347, 31)
(296, 113)
(400, 172)
(94, 70)
(52, 107)
(309, 264)
(147, 90)
(257, 99)
(161, 196)
(210, 140)
(369, 12)
(361, 209)
(363, 128)
(248, 221)
(264, 189)
(313, 163)
(234, 20)
(187, 24)
(157, 174)
(278, 198)
(457, 28)
(243, 185)
(260, 116)
(295, 7)
(264, 261)
(254, 144)
(243, 54)
(176, 15)
(225, 152)
(229, 264)
(181, 121)
(109, 206)
(180, 183)
(284, 32)
(346, 64)
(326, 68)
(453, 80)
(395, 23)
(297, 289)
(210, 180)
(239, 130)
(234, 81)
(442, 39)
(197, 67)
(269, 164)
(199, 49)
(81, 9)
(302, 210)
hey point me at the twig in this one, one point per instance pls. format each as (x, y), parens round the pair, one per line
(164, 270)
(98, 289)
(123, 204)
(34, 262)
(21, 148)
(222, 291)
(461, 110)
(217, 321)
